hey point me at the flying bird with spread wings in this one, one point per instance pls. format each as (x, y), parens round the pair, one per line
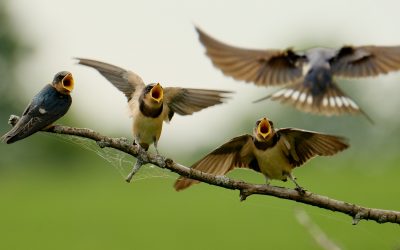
(150, 105)
(307, 76)
(272, 152)
(46, 107)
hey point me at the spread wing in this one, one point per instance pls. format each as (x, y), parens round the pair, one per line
(365, 61)
(262, 67)
(235, 153)
(187, 101)
(124, 80)
(301, 145)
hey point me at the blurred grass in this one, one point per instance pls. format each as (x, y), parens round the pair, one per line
(95, 209)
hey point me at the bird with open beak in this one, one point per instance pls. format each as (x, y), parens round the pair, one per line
(274, 153)
(46, 107)
(152, 104)
(308, 75)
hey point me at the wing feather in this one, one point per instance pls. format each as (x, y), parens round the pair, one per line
(124, 80)
(187, 101)
(257, 66)
(365, 61)
(305, 145)
(235, 153)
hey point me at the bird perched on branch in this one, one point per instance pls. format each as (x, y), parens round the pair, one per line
(308, 75)
(46, 107)
(274, 153)
(152, 104)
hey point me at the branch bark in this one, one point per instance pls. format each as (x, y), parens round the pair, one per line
(357, 212)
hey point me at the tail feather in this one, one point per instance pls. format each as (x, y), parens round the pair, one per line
(21, 130)
(10, 137)
(331, 102)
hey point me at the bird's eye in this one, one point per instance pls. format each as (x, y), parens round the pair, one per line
(257, 122)
(271, 123)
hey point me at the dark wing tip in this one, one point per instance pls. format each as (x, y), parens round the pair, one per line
(85, 61)
(343, 143)
(182, 183)
(79, 59)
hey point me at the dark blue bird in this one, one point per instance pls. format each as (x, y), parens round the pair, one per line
(308, 76)
(47, 106)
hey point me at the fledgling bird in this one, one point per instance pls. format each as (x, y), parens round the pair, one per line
(308, 75)
(152, 104)
(46, 107)
(274, 153)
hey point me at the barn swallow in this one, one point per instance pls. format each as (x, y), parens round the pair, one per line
(274, 153)
(46, 107)
(308, 75)
(152, 104)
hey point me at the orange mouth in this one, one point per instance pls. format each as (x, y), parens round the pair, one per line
(157, 93)
(68, 82)
(264, 128)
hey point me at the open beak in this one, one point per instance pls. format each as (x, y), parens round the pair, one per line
(157, 93)
(68, 82)
(264, 128)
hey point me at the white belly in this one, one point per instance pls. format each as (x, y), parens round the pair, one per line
(146, 129)
(273, 163)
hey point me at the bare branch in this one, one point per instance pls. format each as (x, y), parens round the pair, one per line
(246, 189)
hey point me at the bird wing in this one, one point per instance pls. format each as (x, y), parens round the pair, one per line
(124, 80)
(187, 101)
(262, 67)
(301, 145)
(365, 61)
(235, 153)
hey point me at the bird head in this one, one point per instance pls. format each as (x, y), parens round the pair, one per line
(156, 93)
(264, 129)
(63, 82)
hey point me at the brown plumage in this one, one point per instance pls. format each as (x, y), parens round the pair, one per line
(274, 153)
(308, 75)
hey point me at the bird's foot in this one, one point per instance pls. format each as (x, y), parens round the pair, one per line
(298, 188)
(135, 169)
(301, 190)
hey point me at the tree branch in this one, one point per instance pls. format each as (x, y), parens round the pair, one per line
(246, 189)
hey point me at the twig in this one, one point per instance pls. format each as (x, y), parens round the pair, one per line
(317, 234)
(357, 212)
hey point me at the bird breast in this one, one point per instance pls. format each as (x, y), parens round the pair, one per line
(273, 163)
(146, 129)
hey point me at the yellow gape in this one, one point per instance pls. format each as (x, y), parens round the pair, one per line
(264, 128)
(68, 82)
(157, 93)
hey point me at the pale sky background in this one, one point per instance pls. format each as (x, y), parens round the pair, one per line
(157, 40)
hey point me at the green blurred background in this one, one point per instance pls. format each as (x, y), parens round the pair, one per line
(60, 192)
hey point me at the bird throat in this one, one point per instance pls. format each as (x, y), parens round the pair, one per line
(264, 145)
(152, 112)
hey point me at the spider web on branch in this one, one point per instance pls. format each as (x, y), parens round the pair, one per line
(121, 161)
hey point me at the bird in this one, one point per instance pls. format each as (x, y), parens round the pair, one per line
(152, 104)
(272, 152)
(46, 107)
(307, 77)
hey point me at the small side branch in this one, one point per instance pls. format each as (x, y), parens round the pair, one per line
(357, 212)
